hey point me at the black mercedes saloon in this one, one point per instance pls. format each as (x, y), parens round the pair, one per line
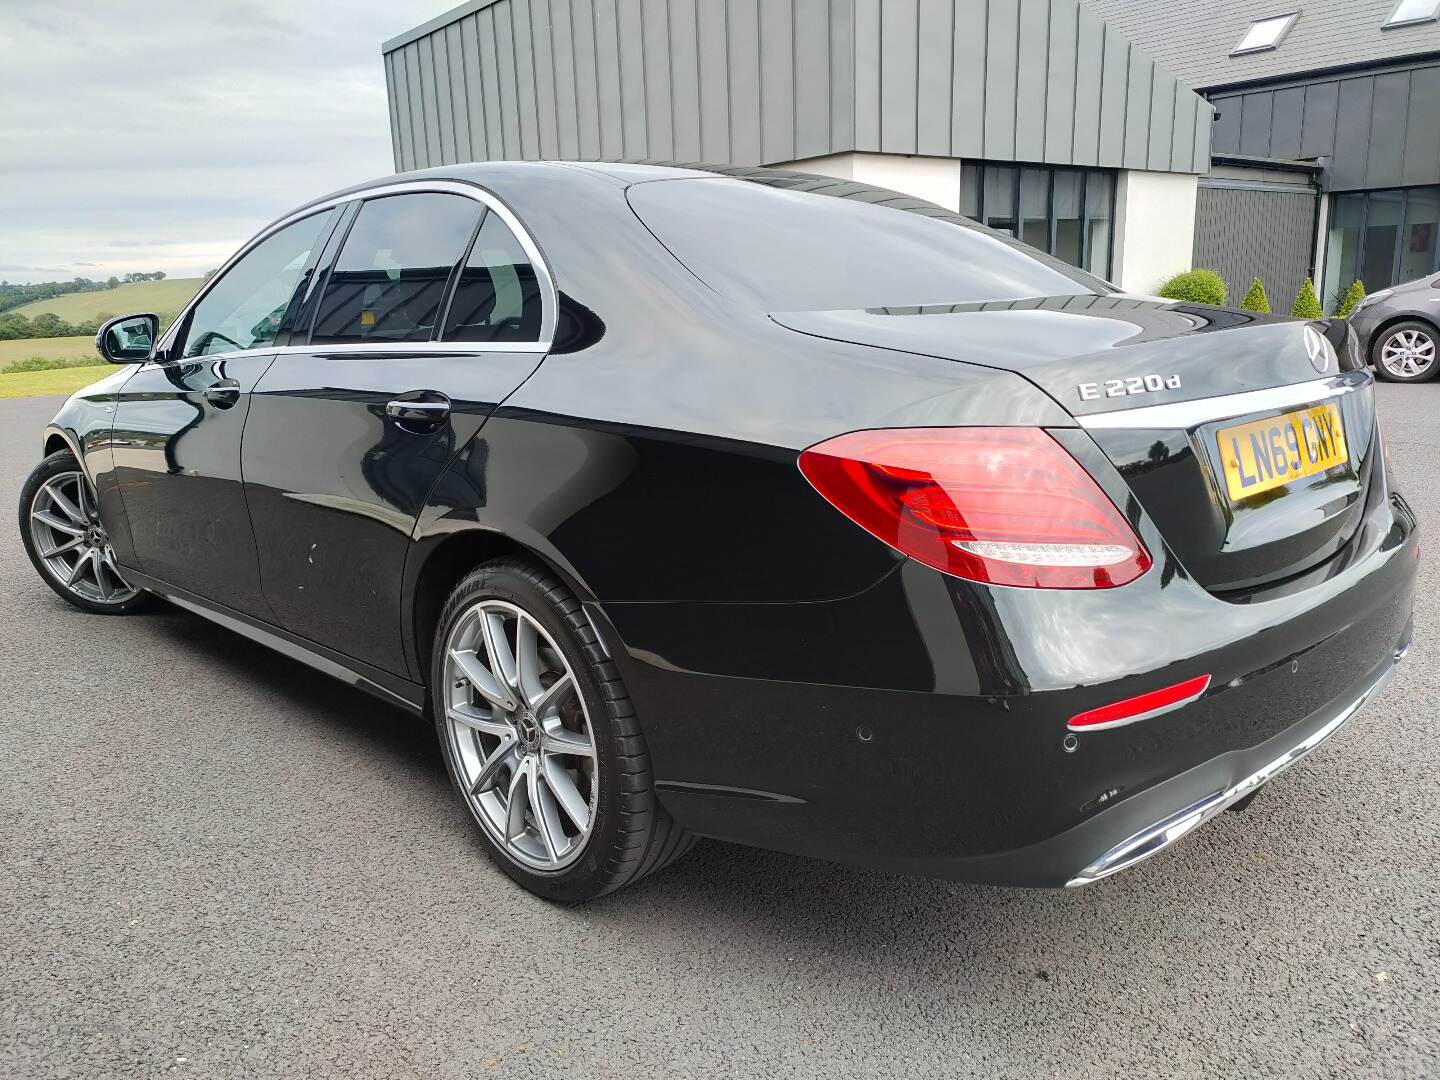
(739, 503)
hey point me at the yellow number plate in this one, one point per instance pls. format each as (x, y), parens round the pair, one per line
(1266, 454)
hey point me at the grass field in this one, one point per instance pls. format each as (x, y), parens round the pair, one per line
(161, 297)
(57, 348)
(62, 381)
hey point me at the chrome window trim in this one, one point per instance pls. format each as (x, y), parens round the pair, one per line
(1184, 415)
(399, 348)
(549, 296)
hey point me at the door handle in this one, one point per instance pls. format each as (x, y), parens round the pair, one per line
(223, 394)
(419, 413)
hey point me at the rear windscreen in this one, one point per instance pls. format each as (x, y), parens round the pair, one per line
(782, 249)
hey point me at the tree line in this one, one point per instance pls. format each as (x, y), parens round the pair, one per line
(16, 294)
(13, 325)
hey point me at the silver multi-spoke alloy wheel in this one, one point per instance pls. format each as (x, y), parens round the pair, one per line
(523, 744)
(71, 543)
(1408, 353)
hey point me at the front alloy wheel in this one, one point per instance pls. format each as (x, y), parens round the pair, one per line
(66, 540)
(1406, 353)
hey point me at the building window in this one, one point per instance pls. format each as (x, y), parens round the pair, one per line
(1381, 238)
(1266, 33)
(1409, 12)
(1063, 212)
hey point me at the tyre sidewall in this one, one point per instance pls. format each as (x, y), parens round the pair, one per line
(589, 874)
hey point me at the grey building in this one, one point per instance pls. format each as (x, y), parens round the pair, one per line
(1327, 134)
(1033, 115)
(1135, 139)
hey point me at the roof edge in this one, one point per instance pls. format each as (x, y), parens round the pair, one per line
(1334, 71)
(445, 18)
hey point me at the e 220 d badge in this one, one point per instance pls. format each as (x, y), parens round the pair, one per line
(1136, 384)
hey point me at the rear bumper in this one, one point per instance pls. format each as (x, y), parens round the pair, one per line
(920, 727)
(1159, 835)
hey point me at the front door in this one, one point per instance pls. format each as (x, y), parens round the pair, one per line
(179, 420)
(346, 437)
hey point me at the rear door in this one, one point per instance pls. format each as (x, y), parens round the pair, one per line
(431, 315)
(179, 419)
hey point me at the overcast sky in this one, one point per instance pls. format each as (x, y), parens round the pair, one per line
(159, 134)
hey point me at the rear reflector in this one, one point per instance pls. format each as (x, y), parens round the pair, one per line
(1006, 506)
(1142, 707)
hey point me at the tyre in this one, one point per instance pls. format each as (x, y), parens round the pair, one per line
(1406, 352)
(61, 529)
(541, 740)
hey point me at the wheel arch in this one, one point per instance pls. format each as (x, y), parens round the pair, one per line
(440, 567)
(57, 439)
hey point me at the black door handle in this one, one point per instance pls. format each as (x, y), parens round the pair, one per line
(420, 412)
(223, 394)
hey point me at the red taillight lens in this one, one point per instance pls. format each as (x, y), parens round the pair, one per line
(1006, 506)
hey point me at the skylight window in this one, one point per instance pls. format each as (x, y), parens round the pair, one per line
(1408, 12)
(1267, 33)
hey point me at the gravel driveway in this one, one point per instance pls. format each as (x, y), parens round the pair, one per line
(219, 864)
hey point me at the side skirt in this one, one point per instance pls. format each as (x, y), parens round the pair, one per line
(391, 688)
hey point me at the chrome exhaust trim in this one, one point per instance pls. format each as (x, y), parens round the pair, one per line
(1165, 832)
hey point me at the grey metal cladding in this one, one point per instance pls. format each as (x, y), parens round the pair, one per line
(765, 81)
(1245, 233)
(1194, 38)
(1374, 130)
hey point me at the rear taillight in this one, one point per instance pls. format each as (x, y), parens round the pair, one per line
(1006, 506)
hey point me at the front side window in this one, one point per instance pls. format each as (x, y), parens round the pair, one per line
(498, 297)
(390, 278)
(245, 308)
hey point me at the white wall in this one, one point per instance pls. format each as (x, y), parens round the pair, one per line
(934, 179)
(1154, 228)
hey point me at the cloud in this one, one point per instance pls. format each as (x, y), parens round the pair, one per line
(160, 136)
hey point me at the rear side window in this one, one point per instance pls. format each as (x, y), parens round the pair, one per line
(789, 249)
(498, 298)
(389, 281)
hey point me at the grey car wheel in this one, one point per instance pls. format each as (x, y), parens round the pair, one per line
(68, 543)
(1406, 352)
(541, 739)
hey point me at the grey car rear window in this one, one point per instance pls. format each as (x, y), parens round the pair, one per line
(790, 249)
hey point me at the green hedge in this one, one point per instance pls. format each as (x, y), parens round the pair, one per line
(1196, 287)
(49, 363)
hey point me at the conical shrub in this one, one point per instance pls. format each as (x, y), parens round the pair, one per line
(1351, 300)
(1255, 299)
(1307, 304)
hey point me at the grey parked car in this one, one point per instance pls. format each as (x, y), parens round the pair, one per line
(1398, 328)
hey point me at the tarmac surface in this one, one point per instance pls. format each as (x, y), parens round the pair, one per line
(219, 864)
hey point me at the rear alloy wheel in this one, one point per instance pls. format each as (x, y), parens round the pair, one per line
(66, 540)
(541, 740)
(1406, 352)
(523, 746)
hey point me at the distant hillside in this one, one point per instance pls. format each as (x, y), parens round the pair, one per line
(162, 297)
